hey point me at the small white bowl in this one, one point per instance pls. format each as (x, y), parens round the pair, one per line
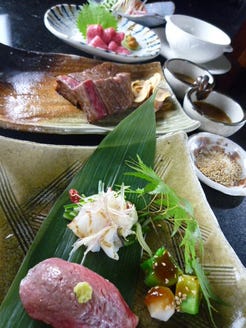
(195, 39)
(229, 106)
(155, 14)
(207, 142)
(189, 71)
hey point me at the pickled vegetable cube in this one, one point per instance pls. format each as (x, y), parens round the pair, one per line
(160, 269)
(187, 294)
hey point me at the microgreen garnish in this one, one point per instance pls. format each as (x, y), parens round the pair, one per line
(167, 205)
(163, 204)
(94, 13)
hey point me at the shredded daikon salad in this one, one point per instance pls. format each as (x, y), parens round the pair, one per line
(130, 7)
(103, 221)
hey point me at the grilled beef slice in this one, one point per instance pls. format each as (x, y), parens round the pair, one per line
(100, 91)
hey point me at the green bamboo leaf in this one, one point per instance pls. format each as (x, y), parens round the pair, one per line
(135, 135)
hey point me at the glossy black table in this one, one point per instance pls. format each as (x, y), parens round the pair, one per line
(24, 28)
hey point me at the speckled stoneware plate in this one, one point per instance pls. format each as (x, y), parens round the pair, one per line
(26, 200)
(29, 102)
(60, 20)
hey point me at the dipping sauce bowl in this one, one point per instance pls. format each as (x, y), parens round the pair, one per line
(181, 74)
(217, 114)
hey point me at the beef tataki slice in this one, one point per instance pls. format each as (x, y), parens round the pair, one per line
(116, 92)
(47, 294)
(67, 83)
(100, 91)
(101, 71)
(94, 105)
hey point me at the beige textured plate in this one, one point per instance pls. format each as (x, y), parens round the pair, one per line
(33, 175)
(29, 102)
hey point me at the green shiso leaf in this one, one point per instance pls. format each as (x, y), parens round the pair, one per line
(94, 13)
(135, 135)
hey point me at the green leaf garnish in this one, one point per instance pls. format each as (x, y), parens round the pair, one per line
(107, 163)
(167, 205)
(94, 13)
(162, 203)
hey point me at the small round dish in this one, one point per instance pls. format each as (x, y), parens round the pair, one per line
(220, 164)
(195, 39)
(61, 19)
(155, 13)
(217, 114)
(220, 65)
(181, 75)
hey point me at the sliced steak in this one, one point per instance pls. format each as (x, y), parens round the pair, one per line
(91, 102)
(116, 92)
(47, 294)
(100, 91)
(101, 71)
(66, 86)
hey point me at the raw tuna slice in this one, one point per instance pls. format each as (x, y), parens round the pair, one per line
(108, 34)
(98, 42)
(92, 31)
(112, 46)
(47, 294)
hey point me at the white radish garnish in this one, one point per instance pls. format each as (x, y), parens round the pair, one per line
(104, 221)
(160, 302)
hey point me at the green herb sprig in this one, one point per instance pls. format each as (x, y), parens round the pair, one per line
(167, 205)
(163, 204)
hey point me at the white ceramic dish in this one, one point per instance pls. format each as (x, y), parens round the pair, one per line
(196, 39)
(218, 66)
(205, 140)
(60, 20)
(229, 106)
(155, 15)
(189, 70)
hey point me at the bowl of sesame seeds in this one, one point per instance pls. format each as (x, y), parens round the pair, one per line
(220, 164)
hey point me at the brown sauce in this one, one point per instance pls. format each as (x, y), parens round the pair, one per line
(159, 294)
(164, 268)
(212, 112)
(184, 78)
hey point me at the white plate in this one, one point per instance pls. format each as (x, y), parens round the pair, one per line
(209, 141)
(155, 15)
(60, 20)
(217, 66)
